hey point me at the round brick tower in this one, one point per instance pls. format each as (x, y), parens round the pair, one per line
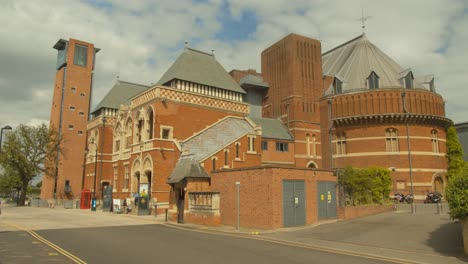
(375, 113)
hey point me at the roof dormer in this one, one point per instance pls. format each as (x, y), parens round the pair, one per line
(373, 80)
(337, 86)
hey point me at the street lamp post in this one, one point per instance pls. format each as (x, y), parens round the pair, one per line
(238, 205)
(93, 199)
(1, 134)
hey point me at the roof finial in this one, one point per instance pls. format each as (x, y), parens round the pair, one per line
(186, 44)
(363, 20)
(212, 51)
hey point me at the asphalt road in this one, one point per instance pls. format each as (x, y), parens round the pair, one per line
(165, 244)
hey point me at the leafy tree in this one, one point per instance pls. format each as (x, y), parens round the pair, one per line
(9, 181)
(29, 151)
(370, 185)
(454, 153)
(457, 194)
(39, 184)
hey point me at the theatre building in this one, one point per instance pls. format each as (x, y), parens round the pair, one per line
(202, 137)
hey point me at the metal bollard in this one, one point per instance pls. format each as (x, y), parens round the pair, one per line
(166, 215)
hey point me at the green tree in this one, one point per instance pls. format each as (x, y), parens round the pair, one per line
(370, 185)
(455, 162)
(29, 151)
(457, 194)
(8, 182)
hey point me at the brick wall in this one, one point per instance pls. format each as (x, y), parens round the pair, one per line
(351, 212)
(261, 201)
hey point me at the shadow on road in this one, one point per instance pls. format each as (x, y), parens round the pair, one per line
(447, 240)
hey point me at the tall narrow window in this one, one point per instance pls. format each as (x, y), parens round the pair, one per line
(225, 158)
(314, 146)
(338, 86)
(214, 163)
(81, 55)
(341, 144)
(237, 150)
(126, 178)
(116, 171)
(150, 124)
(308, 144)
(251, 146)
(373, 81)
(264, 145)
(435, 141)
(391, 140)
(140, 129)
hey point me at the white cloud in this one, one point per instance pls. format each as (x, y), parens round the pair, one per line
(133, 32)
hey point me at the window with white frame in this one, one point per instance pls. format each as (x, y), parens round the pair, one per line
(116, 172)
(166, 132)
(391, 140)
(251, 145)
(126, 178)
(435, 141)
(341, 144)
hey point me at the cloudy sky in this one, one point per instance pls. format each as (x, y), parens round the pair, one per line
(139, 39)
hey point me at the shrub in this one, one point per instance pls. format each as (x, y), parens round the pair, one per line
(457, 195)
(370, 185)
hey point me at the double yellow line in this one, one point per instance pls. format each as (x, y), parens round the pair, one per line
(50, 244)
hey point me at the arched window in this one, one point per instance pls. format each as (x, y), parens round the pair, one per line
(391, 140)
(341, 144)
(117, 137)
(373, 81)
(128, 133)
(150, 123)
(214, 163)
(237, 150)
(434, 141)
(225, 158)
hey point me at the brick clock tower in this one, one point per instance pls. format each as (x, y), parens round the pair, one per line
(69, 116)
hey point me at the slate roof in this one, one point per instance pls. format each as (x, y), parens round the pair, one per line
(120, 94)
(187, 167)
(202, 68)
(253, 81)
(353, 62)
(216, 137)
(273, 128)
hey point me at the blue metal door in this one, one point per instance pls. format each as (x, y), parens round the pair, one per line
(294, 213)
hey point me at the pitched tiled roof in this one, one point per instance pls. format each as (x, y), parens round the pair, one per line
(202, 68)
(187, 167)
(216, 137)
(120, 94)
(273, 128)
(353, 62)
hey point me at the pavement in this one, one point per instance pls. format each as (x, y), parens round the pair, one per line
(399, 236)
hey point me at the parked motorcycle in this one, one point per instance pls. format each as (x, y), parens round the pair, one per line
(401, 198)
(433, 197)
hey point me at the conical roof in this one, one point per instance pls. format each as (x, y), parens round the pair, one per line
(202, 68)
(353, 62)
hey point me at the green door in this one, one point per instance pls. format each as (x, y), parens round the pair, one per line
(326, 199)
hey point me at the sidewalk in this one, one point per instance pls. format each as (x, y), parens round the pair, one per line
(401, 237)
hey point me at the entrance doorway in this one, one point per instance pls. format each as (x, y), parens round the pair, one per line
(180, 205)
(294, 207)
(326, 199)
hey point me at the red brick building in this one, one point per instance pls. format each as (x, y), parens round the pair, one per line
(188, 142)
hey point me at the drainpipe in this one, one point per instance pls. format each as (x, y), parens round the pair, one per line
(330, 127)
(410, 160)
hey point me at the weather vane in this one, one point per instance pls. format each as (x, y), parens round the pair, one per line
(363, 20)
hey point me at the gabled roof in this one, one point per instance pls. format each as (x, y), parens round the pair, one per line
(187, 167)
(202, 68)
(353, 61)
(120, 94)
(216, 137)
(273, 129)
